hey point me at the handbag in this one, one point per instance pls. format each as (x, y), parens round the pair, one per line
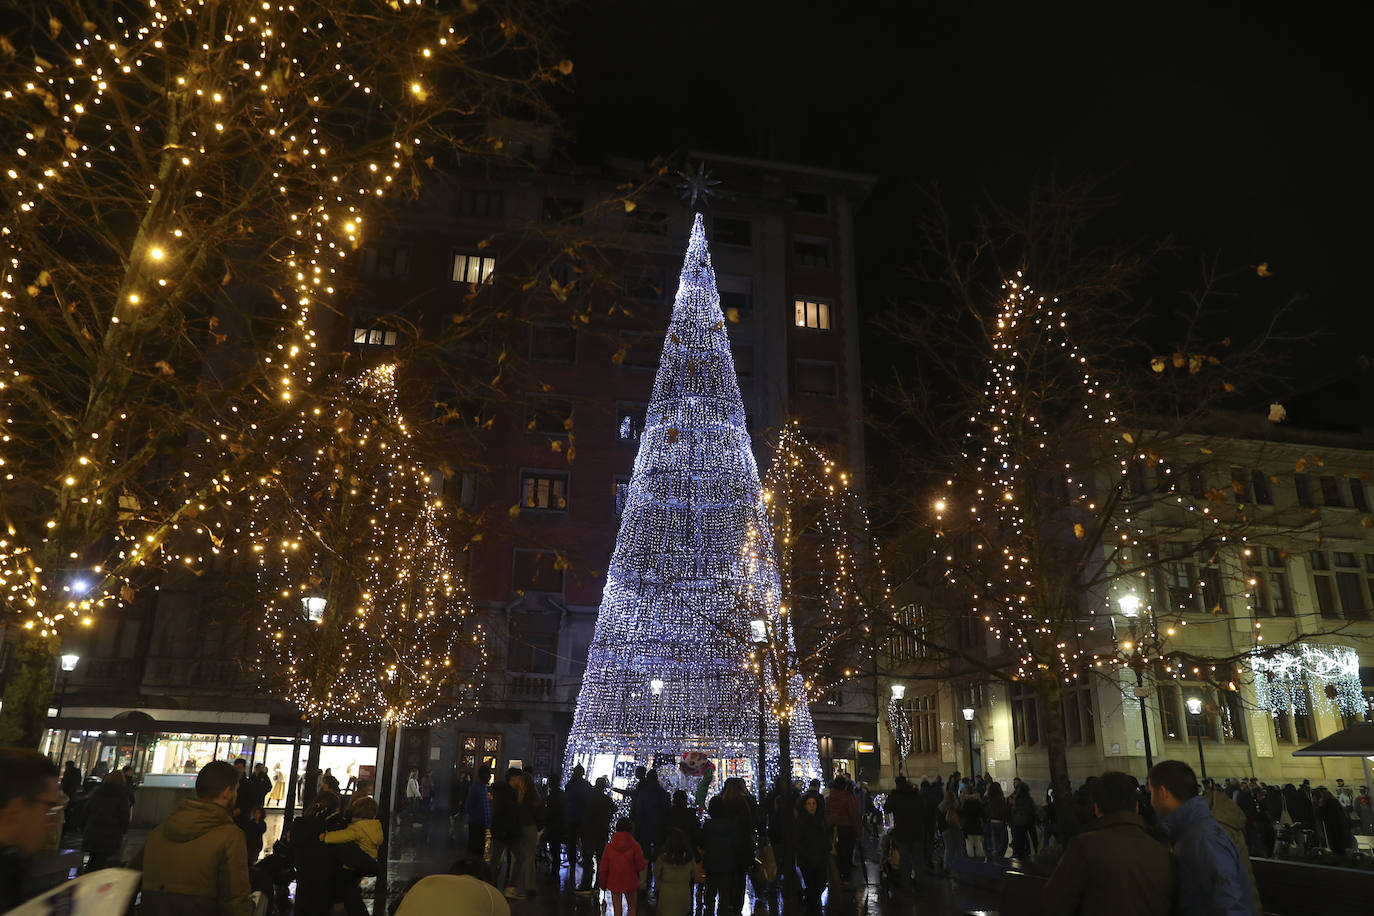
(767, 862)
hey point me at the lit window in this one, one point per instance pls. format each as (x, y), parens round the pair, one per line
(374, 337)
(812, 313)
(544, 490)
(472, 268)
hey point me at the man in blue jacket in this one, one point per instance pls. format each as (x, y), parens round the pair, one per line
(1211, 876)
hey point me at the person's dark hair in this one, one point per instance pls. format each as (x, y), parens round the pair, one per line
(116, 778)
(24, 773)
(1115, 792)
(324, 803)
(837, 783)
(484, 772)
(680, 798)
(365, 808)
(242, 761)
(995, 789)
(514, 771)
(651, 776)
(1176, 777)
(902, 782)
(624, 825)
(214, 778)
(675, 845)
(602, 782)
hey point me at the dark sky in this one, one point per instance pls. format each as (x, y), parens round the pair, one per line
(1236, 130)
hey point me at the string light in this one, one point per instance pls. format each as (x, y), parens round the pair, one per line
(1330, 675)
(693, 565)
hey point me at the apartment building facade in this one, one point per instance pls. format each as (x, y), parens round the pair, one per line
(1271, 634)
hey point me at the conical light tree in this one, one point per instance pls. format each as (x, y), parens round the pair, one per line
(672, 668)
(366, 618)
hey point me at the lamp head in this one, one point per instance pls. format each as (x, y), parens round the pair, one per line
(758, 631)
(898, 691)
(1194, 705)
(656, 686)
(313, 605)
(70, 661)
(968, 713)
(1129, 604)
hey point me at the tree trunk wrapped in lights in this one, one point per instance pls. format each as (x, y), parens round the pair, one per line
(672, 667)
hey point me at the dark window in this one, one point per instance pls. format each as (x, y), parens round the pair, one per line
(1025, 723)
(648, 221)
(1268, 582)
(640, 349)
(644, 283)
(466, 411)
(548, 416)
(1197, 481)
(461, 487)
(817, 378)
(629, 420)
(481, 202)
(1357, 497)
(814, 253)
(472, 268)
(553, 343)
(1200, 725)
(537, 571)
(1349, 585)
(736, 298)
(465, 340)
(1331, 491)
(1240, 484)
(1232, 716)
(1137, 479)
(743, 356)
(1259, 483)
(1283, 727)
(563, 210)
(731, 230)
(533, 645)
(1302, 725)
(1303, 484)
(1170, 711)
(810, 202)
(384, 261)
(1193, 582)
(544, 490)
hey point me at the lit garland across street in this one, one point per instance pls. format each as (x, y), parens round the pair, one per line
(670, 669)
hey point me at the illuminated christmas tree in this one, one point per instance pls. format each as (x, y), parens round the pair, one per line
(673, 665)
(365, 616)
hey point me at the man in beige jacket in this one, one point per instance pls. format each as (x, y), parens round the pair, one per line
(195, 863)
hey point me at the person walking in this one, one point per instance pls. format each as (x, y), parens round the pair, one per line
(909, 824)
(971, 819)
(313, 861)
(1022, 821)
(195, 863)
(71, 779)
(727, 851)
(998, 813)
(477, 812)
(951, 830)
(649, 812)
(505, 832)
(1335, 822)
(1364, 808)
(554, 820)
(107, 820)
(595, 832)
(842, 810)
(621, 864)
(814, 837)
(1113, 867)
(575, 796)
(675, 875)
(1232, 820)
(530, 814)
(1211, 878)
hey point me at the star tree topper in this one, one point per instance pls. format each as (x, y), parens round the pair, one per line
(697, 184)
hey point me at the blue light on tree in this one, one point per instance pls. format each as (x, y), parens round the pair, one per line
(670, 666)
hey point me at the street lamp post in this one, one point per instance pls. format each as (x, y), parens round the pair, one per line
(1130, 607)
(1195, 710)
(968, 720)
(758, 632)
(68, 661)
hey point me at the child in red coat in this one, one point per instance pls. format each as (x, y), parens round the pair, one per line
(621, 864)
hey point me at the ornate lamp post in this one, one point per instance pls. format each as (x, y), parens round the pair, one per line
(758, 633)
(1130, 608)
(896, 720)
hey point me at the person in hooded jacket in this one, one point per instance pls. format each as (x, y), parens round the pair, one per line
(727, 841)
(505, 830)
(649, 811)
(813, 840)
(595, 830)
(315, 864)
(1211, 878)
(1232, 820)
(575, 796)
(107, 820)
(621, 862)
(195, 862)
(842, 809)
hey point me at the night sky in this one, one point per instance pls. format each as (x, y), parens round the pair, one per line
(1237, 131)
